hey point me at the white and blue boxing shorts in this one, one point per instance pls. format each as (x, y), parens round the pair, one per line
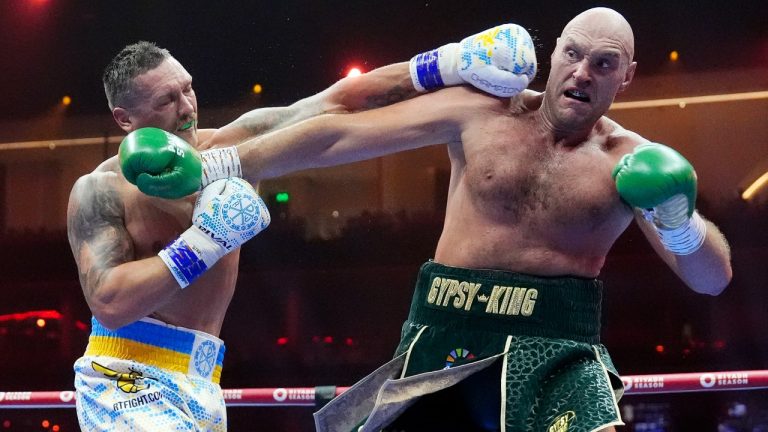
(150, 376)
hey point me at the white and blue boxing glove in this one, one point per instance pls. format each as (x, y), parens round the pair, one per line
(227, 214)
(500, 61)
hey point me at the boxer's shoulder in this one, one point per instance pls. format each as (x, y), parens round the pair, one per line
(616, 137)
(110, 165)
(104, 183)
(526, 101)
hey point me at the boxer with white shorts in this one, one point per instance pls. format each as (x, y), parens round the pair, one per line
(149, 375)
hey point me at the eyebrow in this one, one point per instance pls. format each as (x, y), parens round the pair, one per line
(570, 41)
(611, 52)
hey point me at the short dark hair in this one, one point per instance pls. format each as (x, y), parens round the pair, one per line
(130, 62)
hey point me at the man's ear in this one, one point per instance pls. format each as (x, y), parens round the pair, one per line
(123, 118)
(628, 76)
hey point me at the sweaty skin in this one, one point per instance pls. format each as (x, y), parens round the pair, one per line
(115, 231)
(530, 188)
(522, 201)
(517, 200)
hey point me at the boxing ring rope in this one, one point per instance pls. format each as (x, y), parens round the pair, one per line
(314, 396)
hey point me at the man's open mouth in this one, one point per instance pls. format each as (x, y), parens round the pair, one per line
(578, 95)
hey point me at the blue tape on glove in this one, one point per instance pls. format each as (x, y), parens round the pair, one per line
(428, 71)
(186, 264)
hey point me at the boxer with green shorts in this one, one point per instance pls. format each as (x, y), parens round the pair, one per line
(516, 350)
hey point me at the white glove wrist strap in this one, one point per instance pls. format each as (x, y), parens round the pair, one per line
(436, 68)
(672, 213)
(685, 239)
(220, 163)
(190, 255)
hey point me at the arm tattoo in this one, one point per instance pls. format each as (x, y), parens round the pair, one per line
(96, 231)
(261, 121)
(264, 120)
(396, 94)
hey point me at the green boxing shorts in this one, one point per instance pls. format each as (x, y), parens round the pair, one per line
(490, 350)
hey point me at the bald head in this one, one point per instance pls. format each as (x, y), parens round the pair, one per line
(603, 22)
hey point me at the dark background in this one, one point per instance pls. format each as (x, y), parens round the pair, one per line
(356, 288)
(294, 48)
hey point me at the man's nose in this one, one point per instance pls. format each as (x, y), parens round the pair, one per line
(186, 105)
(581, 73)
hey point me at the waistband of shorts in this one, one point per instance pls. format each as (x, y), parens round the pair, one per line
(507, 302)
(152, 342)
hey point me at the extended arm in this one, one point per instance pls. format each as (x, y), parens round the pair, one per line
(380, 87)
(330, 140)
(500, 61)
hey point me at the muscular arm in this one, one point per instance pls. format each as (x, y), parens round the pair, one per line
(118, 289)
(708, 270)
(378, 88)
(329, 140)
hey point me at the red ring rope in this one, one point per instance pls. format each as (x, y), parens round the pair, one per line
(306, 396)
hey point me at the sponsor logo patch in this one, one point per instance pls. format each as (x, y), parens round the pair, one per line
(205, 358)
(457, 355)
(129, 382)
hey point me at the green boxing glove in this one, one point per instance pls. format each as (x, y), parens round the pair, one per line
(661, 182)
(163, 165)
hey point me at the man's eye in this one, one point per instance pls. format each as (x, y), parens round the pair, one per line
(605, 64)
(571, 54)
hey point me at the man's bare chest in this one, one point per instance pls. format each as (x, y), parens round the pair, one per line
(521, 181)
(152, 223)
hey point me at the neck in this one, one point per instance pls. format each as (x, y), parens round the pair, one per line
(569, 135)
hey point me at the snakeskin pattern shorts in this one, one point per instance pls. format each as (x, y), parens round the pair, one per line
(534, 341)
